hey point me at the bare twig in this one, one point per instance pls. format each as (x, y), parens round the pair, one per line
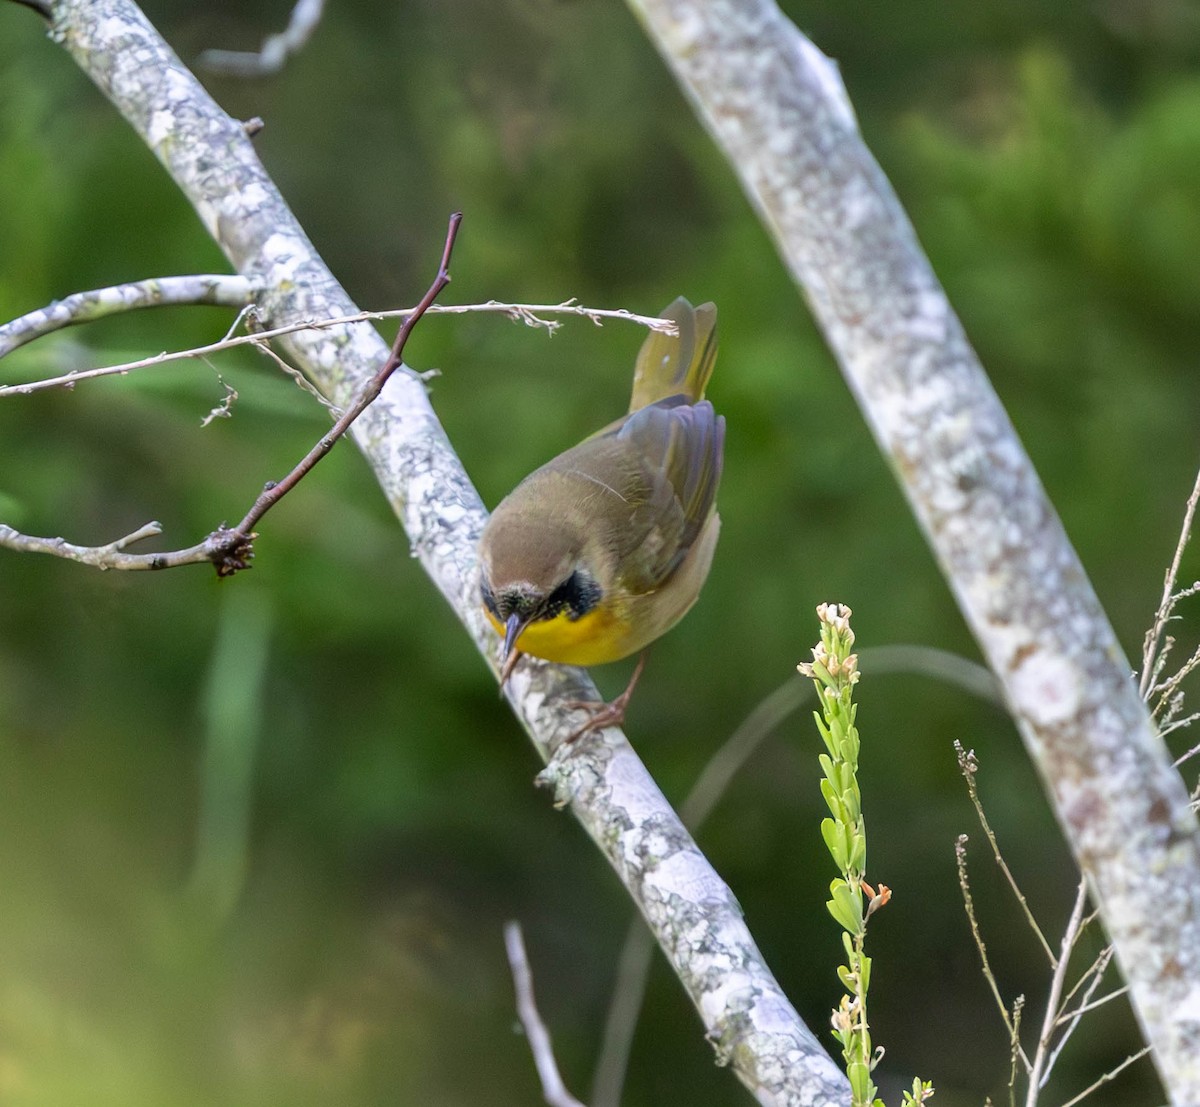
(276, 49)
(220, 289)
(1150, 647)
(1167, 690)
(1014, 1049)
(1195, 749)
(529, 314)
(968, 766)
(964, 884)
(1107, 1077)
(231, 549)
(1040, 1070)
(1088, 978)
(273, 493)
(112, 555)
(1072, 1018)
(553, 1089)
(1091, 1005)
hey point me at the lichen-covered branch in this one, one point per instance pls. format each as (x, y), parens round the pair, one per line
(694, 915)
(777, 108)
(222, 289)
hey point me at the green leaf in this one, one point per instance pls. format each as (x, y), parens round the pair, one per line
(858, 853)
(861, 1087)
(853, 803)
(846, 906)
(835, 842)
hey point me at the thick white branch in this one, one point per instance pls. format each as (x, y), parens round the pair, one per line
(777, 108)
(695, 916)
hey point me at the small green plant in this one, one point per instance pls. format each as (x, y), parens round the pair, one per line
(834, 670)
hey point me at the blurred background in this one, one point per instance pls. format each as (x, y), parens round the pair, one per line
(258, 837)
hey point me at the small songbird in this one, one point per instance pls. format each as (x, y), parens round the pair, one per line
(605, 548)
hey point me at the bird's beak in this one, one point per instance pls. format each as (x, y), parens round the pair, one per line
(512, 631)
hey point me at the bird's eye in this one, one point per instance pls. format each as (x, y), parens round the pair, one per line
(489, 600)
(577, 595)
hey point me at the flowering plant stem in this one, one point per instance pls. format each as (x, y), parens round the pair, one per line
(834, 670)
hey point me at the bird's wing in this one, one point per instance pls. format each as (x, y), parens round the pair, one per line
(674, 449)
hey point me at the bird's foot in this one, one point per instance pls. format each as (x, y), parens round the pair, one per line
(605, 714)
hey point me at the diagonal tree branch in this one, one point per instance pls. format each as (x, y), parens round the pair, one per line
(777, 108)
(694, 915)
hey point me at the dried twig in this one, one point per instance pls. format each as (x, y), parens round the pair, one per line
(1107, 1077)
(273, 493)
(1070, 1019)
(553, 1089)
(231, 549)
(110, 556)
(964, 884)
(1039, 1072)
(1014, 1049)
(529, 314)
(968, 766)
(1151, 659)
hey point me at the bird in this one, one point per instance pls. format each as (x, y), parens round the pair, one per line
(605, 548)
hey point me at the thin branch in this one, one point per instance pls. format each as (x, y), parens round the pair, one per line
(222, 290)
(1088, 978)
(1014, 1049)
(1091, 1005)
(230, 550)
(1167, 603)
(1040, 1070)
(1167, 688)
(964, 884)
(1176, 726)
(274, 492)
(112, 555)
(1071, 1020)
(1107, 1077)
(553, 1089)
(276, 49)
(529, 314)
(968, 766)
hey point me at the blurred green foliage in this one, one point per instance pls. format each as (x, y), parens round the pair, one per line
(1050, 158)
